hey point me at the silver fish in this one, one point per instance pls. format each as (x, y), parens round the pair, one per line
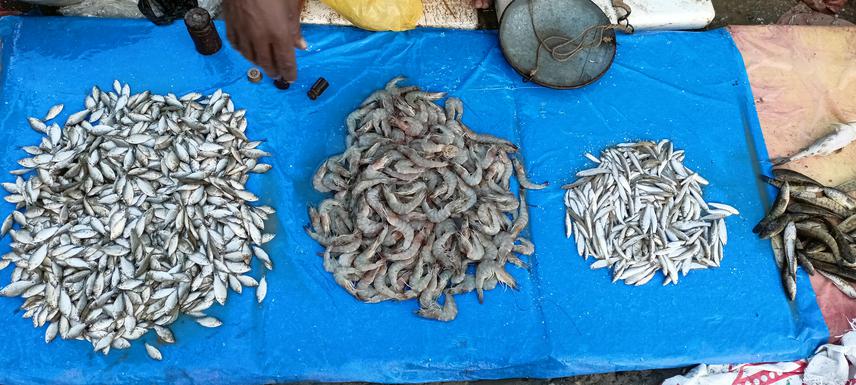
(640, 205)
(261, 290)
(118, 213)
(841, 136)
(153, 352)
(53, 112)
(209, 322)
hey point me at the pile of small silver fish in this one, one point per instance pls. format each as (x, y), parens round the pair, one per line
(813, 226)
(842, 135)
(133, 213)
(640, 211)
(418, 199)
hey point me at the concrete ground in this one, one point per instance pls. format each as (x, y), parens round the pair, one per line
(729, 12)
(762, 11)
(644, 377)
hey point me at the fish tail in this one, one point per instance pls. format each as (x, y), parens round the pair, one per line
(768, 180)
(780, 161)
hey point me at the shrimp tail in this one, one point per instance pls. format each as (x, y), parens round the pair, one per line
(506, 278)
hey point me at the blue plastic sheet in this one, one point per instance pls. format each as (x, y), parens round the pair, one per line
(565, 319)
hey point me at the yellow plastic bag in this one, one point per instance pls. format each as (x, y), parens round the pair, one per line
(379, 15)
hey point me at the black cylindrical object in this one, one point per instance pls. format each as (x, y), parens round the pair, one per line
(202, 31)
(318, 88)
(281, 84)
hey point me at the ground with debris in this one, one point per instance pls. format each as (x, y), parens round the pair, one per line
(763, 11)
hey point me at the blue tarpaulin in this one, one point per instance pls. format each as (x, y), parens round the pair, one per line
(565, 319)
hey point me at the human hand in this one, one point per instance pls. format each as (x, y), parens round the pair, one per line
(266, 32)
(482, 4)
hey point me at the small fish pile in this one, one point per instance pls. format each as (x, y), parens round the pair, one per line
(133, 213)
(419, 200)
(640, 211)
(813, 226)
(842, 135)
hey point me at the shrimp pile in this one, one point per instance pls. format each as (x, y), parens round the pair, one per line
(418, 199)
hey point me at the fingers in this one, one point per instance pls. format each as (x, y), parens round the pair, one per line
(266, 33)
(299, 41)
(265, 59)
(230, 34)
(283, 53)
(235, 30)
(248, 49)
(294, 27)
(286, 62)
(481, 4)
(231, 28)
(274, 52)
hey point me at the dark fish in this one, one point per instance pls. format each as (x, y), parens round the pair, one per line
(768, 228)
(834, 269)
(822, 256)
(795, 186)
(848, 225)
(787, 175)
(790, 238)
(842, 241)
(841, 283)
(805, 263)
(778, 251)
(790, 284)
(820, 235)
(772, 181)
(814, 247)
(823, 202)
(848, 187)
(804, 208)
(840, 197)
(781, 201)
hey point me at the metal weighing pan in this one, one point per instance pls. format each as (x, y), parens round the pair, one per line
(558, 18)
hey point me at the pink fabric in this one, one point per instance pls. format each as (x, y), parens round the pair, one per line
(804, 78)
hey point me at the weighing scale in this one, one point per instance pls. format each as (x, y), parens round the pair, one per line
(560, 44)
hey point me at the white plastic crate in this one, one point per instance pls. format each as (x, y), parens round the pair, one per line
(655, 14)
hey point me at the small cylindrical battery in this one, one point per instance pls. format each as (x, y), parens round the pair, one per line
(318, 88)
(202, 31)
